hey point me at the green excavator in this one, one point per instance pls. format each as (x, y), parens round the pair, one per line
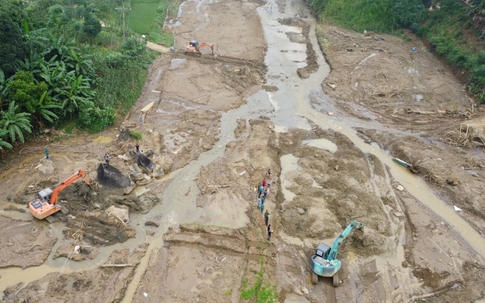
(324, 261)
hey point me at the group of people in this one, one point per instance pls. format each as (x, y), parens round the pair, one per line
(263, 191)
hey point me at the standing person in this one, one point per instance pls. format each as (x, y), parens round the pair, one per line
(266, 218)
(270, 231)
(106, 158)
(46, 150)
(137, 148)
(263, 182)
(260, 191)
(269, 172)
(262, 206)
(265, 193)
(259, 203)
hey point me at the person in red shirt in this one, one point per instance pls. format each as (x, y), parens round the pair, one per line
(263, 182)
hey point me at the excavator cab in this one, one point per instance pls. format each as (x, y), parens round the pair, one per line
(194, 44)
(42, 197)
(45, 194)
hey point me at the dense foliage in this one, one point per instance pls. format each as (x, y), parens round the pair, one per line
(63, 61)
(452, 27)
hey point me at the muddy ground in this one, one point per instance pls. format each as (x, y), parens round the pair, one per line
(189, 230)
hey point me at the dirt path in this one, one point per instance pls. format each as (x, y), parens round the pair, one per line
(194, 232)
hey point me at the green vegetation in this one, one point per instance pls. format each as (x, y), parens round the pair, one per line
(370, 15)
(447, 25)
(135, 134)
(260, 293)
(65, 62)
(157, 33)
(141, 12)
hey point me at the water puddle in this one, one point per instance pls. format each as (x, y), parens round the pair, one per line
(322, 144)
(103, 139)
(176, 63)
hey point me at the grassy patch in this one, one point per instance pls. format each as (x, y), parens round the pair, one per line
(135, 134)
(142, 16)
(260, 292)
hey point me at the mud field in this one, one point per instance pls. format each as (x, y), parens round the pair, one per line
(326, 109)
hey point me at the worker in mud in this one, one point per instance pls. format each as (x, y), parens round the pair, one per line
(265, 193)
(266, 218)
(269, 172)
(260, 191)
(46, 150)
(137, 148)
(262, 205)
(259, 203)
(263, 182)
(270, 231)
(106, 158)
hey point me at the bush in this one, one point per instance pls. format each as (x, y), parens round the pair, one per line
(135, 134)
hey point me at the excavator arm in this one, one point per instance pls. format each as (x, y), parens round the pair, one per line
(73, 178)
(211, 46)
(332, 255)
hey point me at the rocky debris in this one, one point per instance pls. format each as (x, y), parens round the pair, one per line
(97, 228)
(151, 223)
(47, 168)
(121, 212)
(300, 211)
(145, 163)
(157, 172)
(93, 285)
(12, 289)
(76, 252)
(453, 181)
(110, 176)
(142, 203)
(124, 135)
(129, 189)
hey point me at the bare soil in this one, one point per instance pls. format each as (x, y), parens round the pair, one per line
(193, 232)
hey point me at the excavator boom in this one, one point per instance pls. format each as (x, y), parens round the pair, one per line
(334, 251)
(324, 262)
(46, 203)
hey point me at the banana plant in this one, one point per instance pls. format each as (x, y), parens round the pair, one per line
(15, 123)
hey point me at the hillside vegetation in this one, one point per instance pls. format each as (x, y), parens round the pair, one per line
(455, 29)
(71, 64)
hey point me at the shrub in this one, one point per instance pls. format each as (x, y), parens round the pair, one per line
(135, 134)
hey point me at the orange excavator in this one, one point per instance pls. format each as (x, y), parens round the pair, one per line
(194, 47)
(46, 202)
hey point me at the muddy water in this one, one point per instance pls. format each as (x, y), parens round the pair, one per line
(293, 108)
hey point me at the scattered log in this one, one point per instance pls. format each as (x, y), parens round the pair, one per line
(117, 265)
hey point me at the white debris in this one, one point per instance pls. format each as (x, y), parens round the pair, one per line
(456, 208)
(145, 294)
